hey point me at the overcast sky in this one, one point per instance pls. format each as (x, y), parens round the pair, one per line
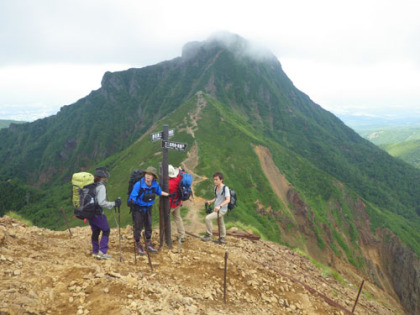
(348, 56)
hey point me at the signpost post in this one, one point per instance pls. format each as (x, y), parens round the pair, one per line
(164, 211)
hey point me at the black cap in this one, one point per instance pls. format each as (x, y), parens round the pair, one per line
(102, 172)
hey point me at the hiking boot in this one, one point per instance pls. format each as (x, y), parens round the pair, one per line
(206, 238)
(220, 241)
(150, 248)
(140, 249)
(103, 256)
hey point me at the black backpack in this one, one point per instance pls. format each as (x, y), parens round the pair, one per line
(135, 176)
(88, 204)
(233, 197)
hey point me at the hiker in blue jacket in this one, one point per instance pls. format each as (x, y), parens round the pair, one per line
(100, 223)
(143, 198)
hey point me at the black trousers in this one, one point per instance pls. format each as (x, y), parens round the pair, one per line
(142, 216)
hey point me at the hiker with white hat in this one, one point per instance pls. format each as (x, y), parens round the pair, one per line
(142, 198)
(174, 200)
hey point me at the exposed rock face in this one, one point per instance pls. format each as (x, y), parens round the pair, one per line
(403, 268)
(389, 264)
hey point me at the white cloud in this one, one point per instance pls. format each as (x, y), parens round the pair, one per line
(36, 91)
(344, 55)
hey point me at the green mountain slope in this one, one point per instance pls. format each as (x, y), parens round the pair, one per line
(381, 135)
(6, 123)
(345, 193)
(408, 151)
(255, 90)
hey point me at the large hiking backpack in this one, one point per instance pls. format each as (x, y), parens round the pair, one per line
(233, 197)
(135, 176)
(184, 188)
(84, 196)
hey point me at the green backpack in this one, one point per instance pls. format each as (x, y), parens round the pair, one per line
(84, 196)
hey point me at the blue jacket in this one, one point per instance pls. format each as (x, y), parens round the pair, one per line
(140, 189)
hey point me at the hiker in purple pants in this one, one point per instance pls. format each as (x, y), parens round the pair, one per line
(99, 222)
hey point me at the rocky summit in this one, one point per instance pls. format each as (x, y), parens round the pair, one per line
(53, 272)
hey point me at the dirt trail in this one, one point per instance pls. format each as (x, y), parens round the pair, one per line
(193, 222)
(49, 272)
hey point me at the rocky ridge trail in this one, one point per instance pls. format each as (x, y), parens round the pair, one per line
(49, 272)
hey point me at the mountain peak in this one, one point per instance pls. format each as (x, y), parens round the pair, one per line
(232, 42)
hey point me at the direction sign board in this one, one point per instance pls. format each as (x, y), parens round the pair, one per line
(159, 135)
(178, 146)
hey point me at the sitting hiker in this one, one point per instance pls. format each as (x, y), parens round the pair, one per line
(142, 198)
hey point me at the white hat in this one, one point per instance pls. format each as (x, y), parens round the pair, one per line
(172, 172)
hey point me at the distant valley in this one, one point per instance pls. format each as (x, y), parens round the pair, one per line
(400, 138)
(6, 123)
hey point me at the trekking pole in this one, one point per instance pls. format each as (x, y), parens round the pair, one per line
(218, 223)
(135, 251)
(119, 230)
(147, 251)
(65, 219)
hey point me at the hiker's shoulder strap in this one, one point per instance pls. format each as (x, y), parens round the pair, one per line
(223, 190)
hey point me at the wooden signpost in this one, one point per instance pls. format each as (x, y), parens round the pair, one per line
(164, 211)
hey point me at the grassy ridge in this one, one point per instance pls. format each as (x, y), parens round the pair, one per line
(6, 123)
(408, 151)
(399, 141)
(390, 134)
(226, 143)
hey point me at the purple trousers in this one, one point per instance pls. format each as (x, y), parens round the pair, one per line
(98, 224)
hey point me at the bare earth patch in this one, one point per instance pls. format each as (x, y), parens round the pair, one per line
(49, 272)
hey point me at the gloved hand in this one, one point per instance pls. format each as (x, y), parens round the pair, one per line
(118, 202)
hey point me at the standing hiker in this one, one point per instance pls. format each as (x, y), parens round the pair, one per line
(99, 222)
(175, 200)
(142, 198)
(221, 200)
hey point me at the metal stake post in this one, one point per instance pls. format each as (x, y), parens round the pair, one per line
(224, 293)
(358, 294)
